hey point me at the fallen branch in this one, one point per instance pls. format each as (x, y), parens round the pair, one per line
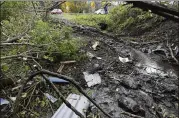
(68, 62)
(171, 52)
(13, 39)
(10, 44)
(17, 56)
(59, 76)
(131, 115)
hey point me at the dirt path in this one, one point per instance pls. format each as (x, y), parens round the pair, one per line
(124, 88)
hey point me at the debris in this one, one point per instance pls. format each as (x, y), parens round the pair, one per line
(3, 101)
(50, 97)
(63, 64)
(124, 60)
(57, 80)
(60, 68)
(128, 104)
(13, 98)
(92, 79)
(90, 55)
(95, 69)
(17, 87)
(80, 103)
(94, 46)
(68, 62)
(24, 95)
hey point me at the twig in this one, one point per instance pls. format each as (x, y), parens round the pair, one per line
(53, 86)
(16, 56)
(60, 68)
(10, 44)
(31, 94)
(34, 8)
(62, 77)
(171, 52)
(131, 115)
(29, 111)
(68, 62)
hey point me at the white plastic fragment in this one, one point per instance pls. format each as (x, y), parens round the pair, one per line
(92, 79)
(124, 60)
(13, 98)
(90, 55)
(3, 101)
(94, 46)
(50, 97)
(80, 103)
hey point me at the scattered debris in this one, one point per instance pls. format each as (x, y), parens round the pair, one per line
(3, 101)
(13, 98)
(63, 64)
(50, 97)
(94, 46)
(91, 56)
(80, 103)
(124, 60)
(57, 80)
(92, 79)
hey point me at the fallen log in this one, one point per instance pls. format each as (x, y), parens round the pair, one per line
(157, 9)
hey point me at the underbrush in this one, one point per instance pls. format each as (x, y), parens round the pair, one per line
(56, 41)
(88, 19)
(120, 20)
(126, 19)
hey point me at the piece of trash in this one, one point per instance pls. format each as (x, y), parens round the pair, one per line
(80, 103)
(96, 68)
(98, 58)
(94, 46)
(124, 60)
(90, 55)
(13, 98)
(50, 97)
(17, 87)
(24, 95)
(57, 80)
(3, 101)
(92, 79)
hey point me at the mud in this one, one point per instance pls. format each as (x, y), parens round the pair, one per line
(125, 87)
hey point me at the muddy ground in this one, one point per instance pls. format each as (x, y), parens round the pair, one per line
(126, 88)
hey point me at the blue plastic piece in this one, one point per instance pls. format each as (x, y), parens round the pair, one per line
(57, 80)
(3, 101)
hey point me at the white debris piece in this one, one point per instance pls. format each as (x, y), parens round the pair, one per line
(94, 46)
(92, 79)
(80, 103)
(3, 101)
(13, 98)
(90, 55)
(50, 97)
(124, 60)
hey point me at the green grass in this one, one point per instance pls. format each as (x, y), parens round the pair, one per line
(87, 19)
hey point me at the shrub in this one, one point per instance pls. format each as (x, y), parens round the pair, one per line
(125, 17)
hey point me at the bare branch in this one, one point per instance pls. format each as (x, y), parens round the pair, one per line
(16, 56)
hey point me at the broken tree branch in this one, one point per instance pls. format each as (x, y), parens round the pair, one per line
(41, 72)
(131, 115)
(157, 9)
(171, 52)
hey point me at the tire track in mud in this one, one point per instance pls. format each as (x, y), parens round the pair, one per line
(123, 89)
